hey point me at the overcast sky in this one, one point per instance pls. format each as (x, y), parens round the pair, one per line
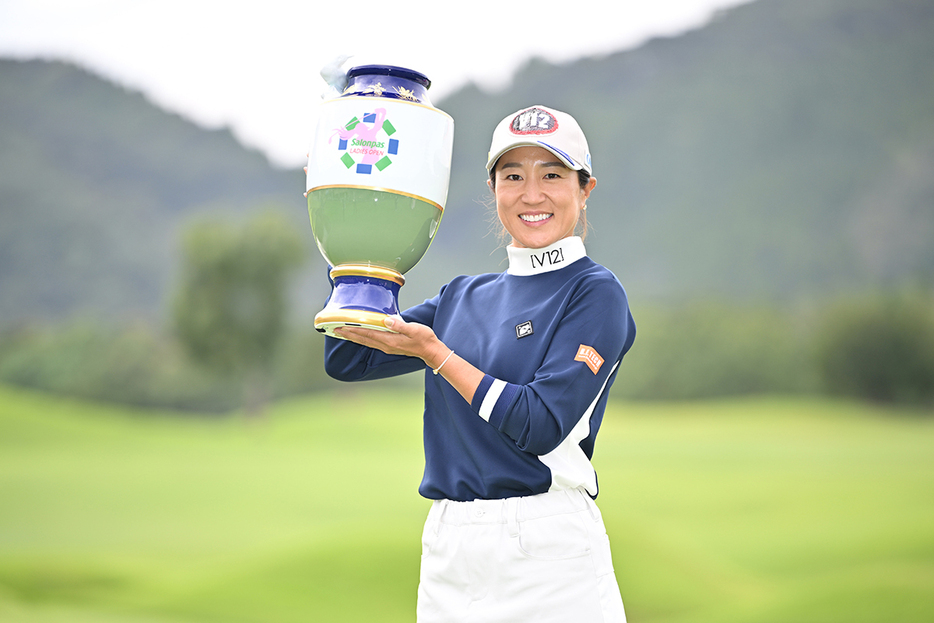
(254, 66)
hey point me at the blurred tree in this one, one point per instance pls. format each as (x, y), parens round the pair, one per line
(714, 348)
(880, 349)
(230, 307)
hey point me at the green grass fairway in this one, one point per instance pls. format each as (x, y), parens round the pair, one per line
(753, 510)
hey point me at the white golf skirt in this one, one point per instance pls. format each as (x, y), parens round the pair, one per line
(543, 558)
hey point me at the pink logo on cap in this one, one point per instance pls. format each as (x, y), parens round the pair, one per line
(534, 121)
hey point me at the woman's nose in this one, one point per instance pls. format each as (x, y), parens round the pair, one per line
(532, 191)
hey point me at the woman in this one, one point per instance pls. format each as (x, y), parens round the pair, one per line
(518, 368)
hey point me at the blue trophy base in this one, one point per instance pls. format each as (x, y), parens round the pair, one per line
(363, 296)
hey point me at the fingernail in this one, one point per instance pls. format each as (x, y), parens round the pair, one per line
(388, 321)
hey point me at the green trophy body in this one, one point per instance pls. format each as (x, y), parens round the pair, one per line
(369, 226)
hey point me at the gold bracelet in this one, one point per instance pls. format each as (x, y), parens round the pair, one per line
(438, 369)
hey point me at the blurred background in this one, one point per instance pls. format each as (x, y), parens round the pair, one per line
(171, 449)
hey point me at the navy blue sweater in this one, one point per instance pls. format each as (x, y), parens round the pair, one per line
(549, 334)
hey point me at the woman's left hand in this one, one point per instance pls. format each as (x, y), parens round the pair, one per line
(406, 338)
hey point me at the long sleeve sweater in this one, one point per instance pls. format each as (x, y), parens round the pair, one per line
(549, 334)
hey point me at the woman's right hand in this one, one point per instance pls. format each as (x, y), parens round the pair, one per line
(417, 340)
(404, 338)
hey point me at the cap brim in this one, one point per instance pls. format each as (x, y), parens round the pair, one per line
(563, 157)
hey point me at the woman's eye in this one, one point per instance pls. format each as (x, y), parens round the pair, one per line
(513, 177)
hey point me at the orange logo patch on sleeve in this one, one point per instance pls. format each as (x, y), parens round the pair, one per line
(589, 356)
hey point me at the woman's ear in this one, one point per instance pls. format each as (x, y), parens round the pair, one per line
(591, 184)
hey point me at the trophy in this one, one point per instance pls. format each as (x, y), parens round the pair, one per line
(378, 174)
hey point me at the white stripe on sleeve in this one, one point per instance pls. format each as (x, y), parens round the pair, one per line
(489, 401)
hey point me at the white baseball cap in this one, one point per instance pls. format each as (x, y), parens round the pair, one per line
(539, 126)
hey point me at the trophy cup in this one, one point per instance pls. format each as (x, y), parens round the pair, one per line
(378, 174)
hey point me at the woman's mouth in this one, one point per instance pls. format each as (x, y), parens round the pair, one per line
(535, 218)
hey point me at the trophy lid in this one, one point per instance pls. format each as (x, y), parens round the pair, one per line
(388, 81)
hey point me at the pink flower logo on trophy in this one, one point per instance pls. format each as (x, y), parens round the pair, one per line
(368, 143)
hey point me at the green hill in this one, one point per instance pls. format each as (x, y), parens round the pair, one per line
(95, 182)
(785, 150)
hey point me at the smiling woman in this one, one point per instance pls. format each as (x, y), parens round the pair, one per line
(537, 178)
(517, 369)
(539, 200)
